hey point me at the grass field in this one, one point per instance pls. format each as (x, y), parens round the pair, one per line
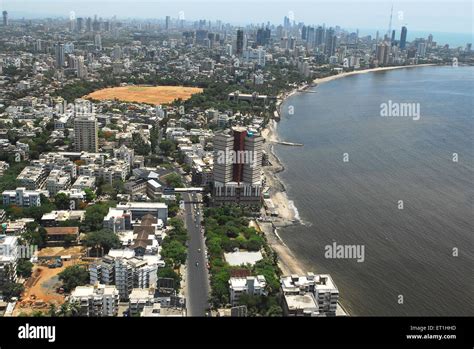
(145, 94)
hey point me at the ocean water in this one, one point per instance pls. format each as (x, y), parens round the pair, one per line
(409, 252)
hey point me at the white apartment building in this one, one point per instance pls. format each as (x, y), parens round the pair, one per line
(8, 258)
(321, 286)
(250, 285)
(56, 181)
(23, 198)
(32, 177)
(97, 300)
(84, 182)
(139, 298)
(125, 271)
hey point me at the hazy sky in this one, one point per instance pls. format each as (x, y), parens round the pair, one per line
(421, 15)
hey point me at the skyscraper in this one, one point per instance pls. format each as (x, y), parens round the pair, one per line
(86, 134)
(237, 167)
(5, 18)
(167, 22)
(59, 48)
(240, 42)
(403, 38)
(330, 47)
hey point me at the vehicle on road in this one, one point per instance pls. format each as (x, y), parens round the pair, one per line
(199, 250)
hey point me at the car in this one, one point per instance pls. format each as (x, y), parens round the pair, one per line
(199, 250)
(197, 264)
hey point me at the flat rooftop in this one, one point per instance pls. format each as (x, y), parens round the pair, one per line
(242, 257)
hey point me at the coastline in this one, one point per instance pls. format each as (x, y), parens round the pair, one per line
(278, 197)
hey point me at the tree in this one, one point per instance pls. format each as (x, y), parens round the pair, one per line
(168, 272)
(74, 276)
(90, 195)
(62, 201)
(10, 290)
(167, 147)
(24, 268)
(173, 180)
(94, 217)
(174, 251)
(104, 239)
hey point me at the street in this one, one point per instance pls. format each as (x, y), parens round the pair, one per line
(197, 280)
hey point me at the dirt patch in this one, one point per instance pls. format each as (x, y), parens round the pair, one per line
(74, 252)
(40, 289)
(145, 94)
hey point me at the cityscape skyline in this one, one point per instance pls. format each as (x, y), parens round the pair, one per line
(351, 15)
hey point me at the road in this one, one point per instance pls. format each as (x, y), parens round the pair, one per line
(197, 279)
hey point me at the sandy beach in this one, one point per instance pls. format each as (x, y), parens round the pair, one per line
(356, 72)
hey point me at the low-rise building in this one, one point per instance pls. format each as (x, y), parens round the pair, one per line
(139, 298)
(32, 177)
(250, 285)
(300, 305)
(97, 300)
(84, 182)
(59, 235)
(23, 197)
(321, 286)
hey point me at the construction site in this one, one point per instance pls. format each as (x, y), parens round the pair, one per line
(43, 287)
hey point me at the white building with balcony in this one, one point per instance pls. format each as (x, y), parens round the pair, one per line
(97, 300)
(252, 285)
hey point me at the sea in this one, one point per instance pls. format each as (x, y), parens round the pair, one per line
(397, 186)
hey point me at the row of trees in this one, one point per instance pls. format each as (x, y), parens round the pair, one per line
(227, 229)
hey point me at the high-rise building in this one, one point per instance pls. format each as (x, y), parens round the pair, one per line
(393, 36)
(421, 49)
(80, 24)
(330, 46)
(5, 18)
(81, 68)
(86, 133)
(403, 38)
(59, 48)
(240, 42)
(98, 41)
(237, 167)
(167, 22)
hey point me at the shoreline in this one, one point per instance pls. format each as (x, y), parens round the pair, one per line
(287, 211)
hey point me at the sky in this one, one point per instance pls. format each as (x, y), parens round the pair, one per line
(420, 15)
